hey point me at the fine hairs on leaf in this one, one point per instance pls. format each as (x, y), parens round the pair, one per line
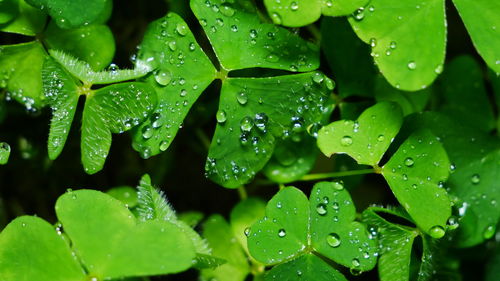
(84, 72)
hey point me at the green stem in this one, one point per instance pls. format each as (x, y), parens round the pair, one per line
(321, 176)
(242, 192)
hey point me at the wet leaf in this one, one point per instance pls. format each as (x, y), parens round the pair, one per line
(4, 153)
(365, 139)
(24, 245)
(388, 27)
(182, 72)
(296, 13)
(483, 30)
(416, 174)
(306, 267)
(240, 40)
(254, 113)
(28, 21)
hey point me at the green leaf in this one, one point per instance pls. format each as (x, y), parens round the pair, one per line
(20, 70)
(93, 44)
(29, 21)
(464, 94)
(4, 153)
(112, 243)
(60, 91)
(483, 30)
(241, 41)
(254, 113)
(182, 72)
(396, 243)
(416, 174)
(126, 194)
(306, 267)
(493, 266)
(409, 102)
(153, 205)
(221, 239)
(284, 230)
(389, 27)
(113, 109)
(334, 233)
(291, 160)
(8, 10)
(243, 215)
(296, 13)
(84, 72)
(75, 13)
(348, 58)
(366, 139)
(30, 249)
(474, 174)
(191, 218)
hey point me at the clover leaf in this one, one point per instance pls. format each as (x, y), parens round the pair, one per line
(397, 246)
(249, 123)
(474, 174)
(324, 225)
(408, 172)
(102, 234)
(112, 109)
(296, 13)
(366, 139)
(23, 18)
(386, 25)
(76, 13)
(228, 241)
(416, 174)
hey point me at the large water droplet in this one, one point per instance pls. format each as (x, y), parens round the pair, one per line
(294, 6)
(321, 209)
(489, 232)
(182, 29)
(163, 77)
(412, 65)
(346, 141)
(409, 162)
(475, 179)
(147, 132)
(242, 98)
(333, 240)
(281, 233)
(246, 124)
(221, 116)
(437, 232)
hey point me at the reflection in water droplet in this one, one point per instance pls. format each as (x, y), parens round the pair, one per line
(221, 116)
(281, 233)
(163, 77)
(333, 240)
(246, 124)
(409, 162)
(346, 141)
(475, 179)
(412, 65)
(437, 232)
(321, 209)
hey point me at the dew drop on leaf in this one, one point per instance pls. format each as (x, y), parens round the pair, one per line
(281, 233)
(338, 185)
(409, 162)
(380, 138)
(346, 141)
(246, 124)
(242, 98)
(272, 57)
(475, 179)
(147, 132)
(321, 209)
(318, 77)
(333, 240)
(163, 145)
(489, 232)
(436, 232)
(163, 77)
(276, 18)
(294, 6)
(247, 231)
(221, 116)
(181, 29)
(412, 65)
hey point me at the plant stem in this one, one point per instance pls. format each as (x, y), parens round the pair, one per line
(242, 192)
(313, 177)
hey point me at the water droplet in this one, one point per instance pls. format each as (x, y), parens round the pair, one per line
(318, 77)
(147, 132)
(355, 263)
(246, 124)
(338, 184)
(437, 232)
(163, 77)
(276, 18)
(321, 209)
(381, 138)
(226, 10)
(247, 231)
(475, 179)
(253, 33)
(359, 14)
(164, 145)
(260, 121)
(412, 65)
(294, 6)
(489, 232)
(346, 141)
(393, 45)
(281, 233)
(182, 29)
(242, 98)
(409, 162)
(272, 57)
(333, 240)
(373, 42)
(221, 116)
(234, 28)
